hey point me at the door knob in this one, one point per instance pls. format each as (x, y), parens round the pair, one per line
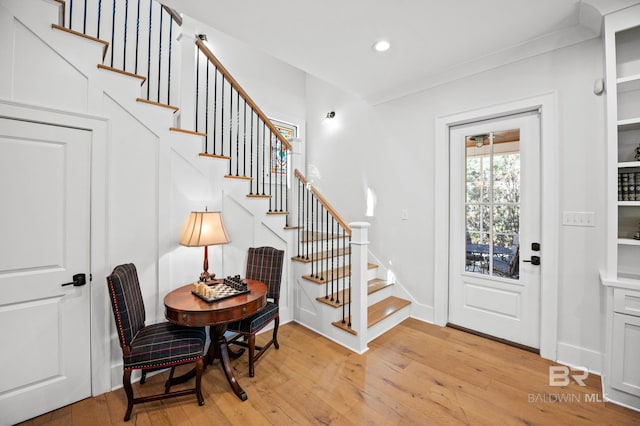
(535, 260)
(78, 280)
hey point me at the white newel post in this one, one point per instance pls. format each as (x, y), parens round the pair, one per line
(359, 261)
(187, 40)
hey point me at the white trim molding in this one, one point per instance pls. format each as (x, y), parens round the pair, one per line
(546, 104)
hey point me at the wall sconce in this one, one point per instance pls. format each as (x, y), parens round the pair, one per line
(331, 114)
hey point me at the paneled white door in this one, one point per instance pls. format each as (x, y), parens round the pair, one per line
(494, 287)
(44, 242)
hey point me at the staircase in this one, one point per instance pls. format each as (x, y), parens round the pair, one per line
(192, 115)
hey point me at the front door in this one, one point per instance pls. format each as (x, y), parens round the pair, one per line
(44, 242)
(494, 287)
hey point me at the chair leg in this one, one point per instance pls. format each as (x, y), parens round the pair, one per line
(252, 351)
(199, 370)
(276, 323)
(167, 384)
(128, 390)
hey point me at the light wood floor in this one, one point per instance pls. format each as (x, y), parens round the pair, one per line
(415, 374)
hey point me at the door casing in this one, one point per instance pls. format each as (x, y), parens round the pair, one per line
(546, 104)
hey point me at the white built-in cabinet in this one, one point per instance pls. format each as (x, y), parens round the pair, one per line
(621, 277)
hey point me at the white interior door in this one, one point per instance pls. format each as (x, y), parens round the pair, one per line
(495, 220)
(44, 241)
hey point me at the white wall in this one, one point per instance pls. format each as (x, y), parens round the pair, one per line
(389, 148)
(149, 186)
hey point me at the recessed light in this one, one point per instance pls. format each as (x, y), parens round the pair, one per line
(381, 46)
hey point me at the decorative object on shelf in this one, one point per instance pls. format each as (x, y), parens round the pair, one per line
(204, 229)
(636, 154)
(636, 236)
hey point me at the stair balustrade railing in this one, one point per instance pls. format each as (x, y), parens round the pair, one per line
(324, 241)
(237, 130)
(141, 36)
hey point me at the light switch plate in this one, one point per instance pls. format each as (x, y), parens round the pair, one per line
(579, 218)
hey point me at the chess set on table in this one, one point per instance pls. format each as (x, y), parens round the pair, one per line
(220, 289)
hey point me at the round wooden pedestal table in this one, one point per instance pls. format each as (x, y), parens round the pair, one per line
(185, 308)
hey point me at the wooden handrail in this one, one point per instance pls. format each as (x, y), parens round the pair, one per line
(175, 15)
(242, 92)
(334, 213)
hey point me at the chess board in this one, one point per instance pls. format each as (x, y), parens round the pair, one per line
(230, 287)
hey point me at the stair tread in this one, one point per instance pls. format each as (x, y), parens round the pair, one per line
(336, 273)
(105, 44)
(379, 311)
(322, 255)
(340, 297)
(384, 309)
(309, 236)
(118, 71)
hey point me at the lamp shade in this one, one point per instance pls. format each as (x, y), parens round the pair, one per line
(204, 229)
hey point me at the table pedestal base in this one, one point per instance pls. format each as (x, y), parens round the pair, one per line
(219, 349)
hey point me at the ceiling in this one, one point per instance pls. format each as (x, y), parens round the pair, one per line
(432, 41)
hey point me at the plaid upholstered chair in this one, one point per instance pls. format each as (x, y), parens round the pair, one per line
(263, 264)
(151, 347)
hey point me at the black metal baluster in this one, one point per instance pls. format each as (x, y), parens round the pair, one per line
(237, 133)
(215, 108)
(84, 18)
(197, 88)
(137, 36)
(298, 217)
(113, 30)
(230, 125)
(264, 135)
(333, 266)
(307, 220)
(244, 141)
(313, 237)
(222, 117)
(169, 65)
(99, 18)
(350, 299)
(149, 51)
(206, 111)
(343, 270)
(124, 38)
(70, 14)
(251, 154)
(160, 53)
(317, 236)
(270, 168)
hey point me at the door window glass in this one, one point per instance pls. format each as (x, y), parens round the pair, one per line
(492, 203)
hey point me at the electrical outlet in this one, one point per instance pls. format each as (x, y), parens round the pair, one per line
(579, 218)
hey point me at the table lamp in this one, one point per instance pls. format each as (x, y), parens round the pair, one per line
(204, 229)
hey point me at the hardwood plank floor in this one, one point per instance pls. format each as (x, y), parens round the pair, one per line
(416, 373)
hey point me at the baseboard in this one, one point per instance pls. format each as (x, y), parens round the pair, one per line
(580, 357)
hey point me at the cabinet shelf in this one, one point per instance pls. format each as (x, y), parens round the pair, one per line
(629, 123)
(628, 164)
(628, 242)
(628, 203)
(628, 83)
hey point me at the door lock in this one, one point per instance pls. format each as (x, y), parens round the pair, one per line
(535, 260)
(78, 280)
